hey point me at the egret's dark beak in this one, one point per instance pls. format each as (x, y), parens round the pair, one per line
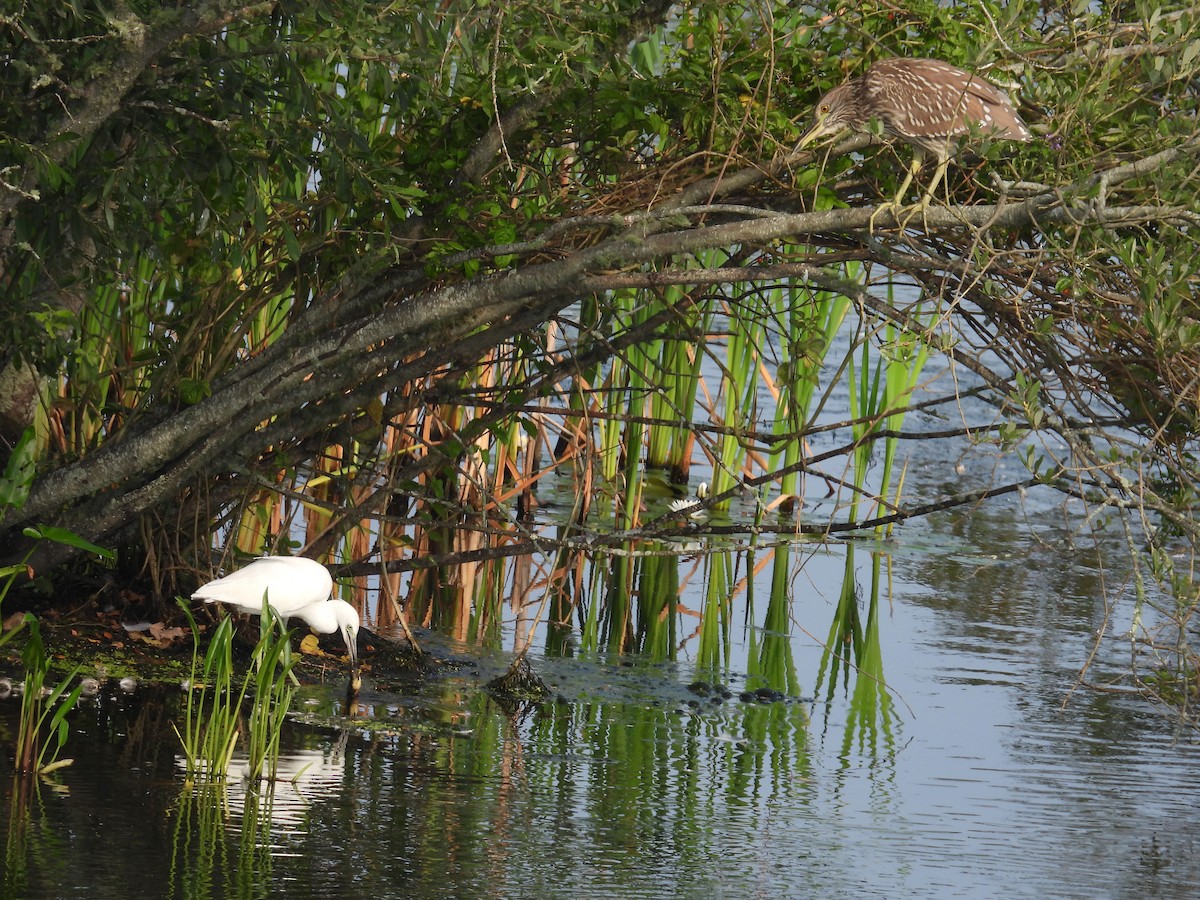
(351, 639)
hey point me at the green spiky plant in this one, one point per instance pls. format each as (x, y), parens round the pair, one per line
(42, 709)
(273, 692)
(212, 711)
(39, 708)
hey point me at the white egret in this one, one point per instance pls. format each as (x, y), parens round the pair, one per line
(295, 587)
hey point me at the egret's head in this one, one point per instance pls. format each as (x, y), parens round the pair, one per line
(330, 616)
(348, 624)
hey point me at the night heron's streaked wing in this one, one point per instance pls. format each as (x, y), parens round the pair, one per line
(928, 102)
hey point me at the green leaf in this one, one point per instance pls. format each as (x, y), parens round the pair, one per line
(293, 245)
(17, 480)
(193, 390)
(70, 539)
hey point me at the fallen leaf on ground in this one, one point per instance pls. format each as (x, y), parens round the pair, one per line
(159, 635)
(311, 645)
(164, 632)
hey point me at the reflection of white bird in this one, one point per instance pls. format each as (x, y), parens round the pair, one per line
(304, 778)
(295, 587)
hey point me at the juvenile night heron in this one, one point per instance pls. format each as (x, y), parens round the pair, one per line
(928, 104)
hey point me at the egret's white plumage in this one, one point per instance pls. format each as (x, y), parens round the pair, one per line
(295, 587)
(290, 583)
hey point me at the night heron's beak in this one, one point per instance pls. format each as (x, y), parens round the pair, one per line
(819, 129)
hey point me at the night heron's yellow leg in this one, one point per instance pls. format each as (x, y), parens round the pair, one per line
(892, 206)
(922, 206)
(896, 204)
(939, 178)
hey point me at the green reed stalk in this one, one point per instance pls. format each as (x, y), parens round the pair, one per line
(653, 364)
(591, 324)
(212, 711)
(33, 754)
(865, 404)
(589, 633)
(614, 395)
(273, 692)
(906, 354)
(617, 621)
(690, 360)
(676, 374)
(487, 601)
(113, 336)
(810, 327)
(37, 711)
(880, 390)
(674, 367)
(210, 727)
(739, 386)
(269, 320)
(658, 596)
(633, 476)
(92, 364)
(642, 374)
(714, 647)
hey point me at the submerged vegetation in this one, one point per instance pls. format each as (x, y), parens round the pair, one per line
(367, 277)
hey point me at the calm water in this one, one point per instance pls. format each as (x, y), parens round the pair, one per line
(985, 776)
(984, 769)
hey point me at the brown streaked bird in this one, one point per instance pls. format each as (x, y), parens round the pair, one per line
(926, 103)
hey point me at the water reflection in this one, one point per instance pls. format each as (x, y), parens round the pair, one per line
(922, 748)
(231, 833)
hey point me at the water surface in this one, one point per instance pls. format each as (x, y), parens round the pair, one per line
(983, 770)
